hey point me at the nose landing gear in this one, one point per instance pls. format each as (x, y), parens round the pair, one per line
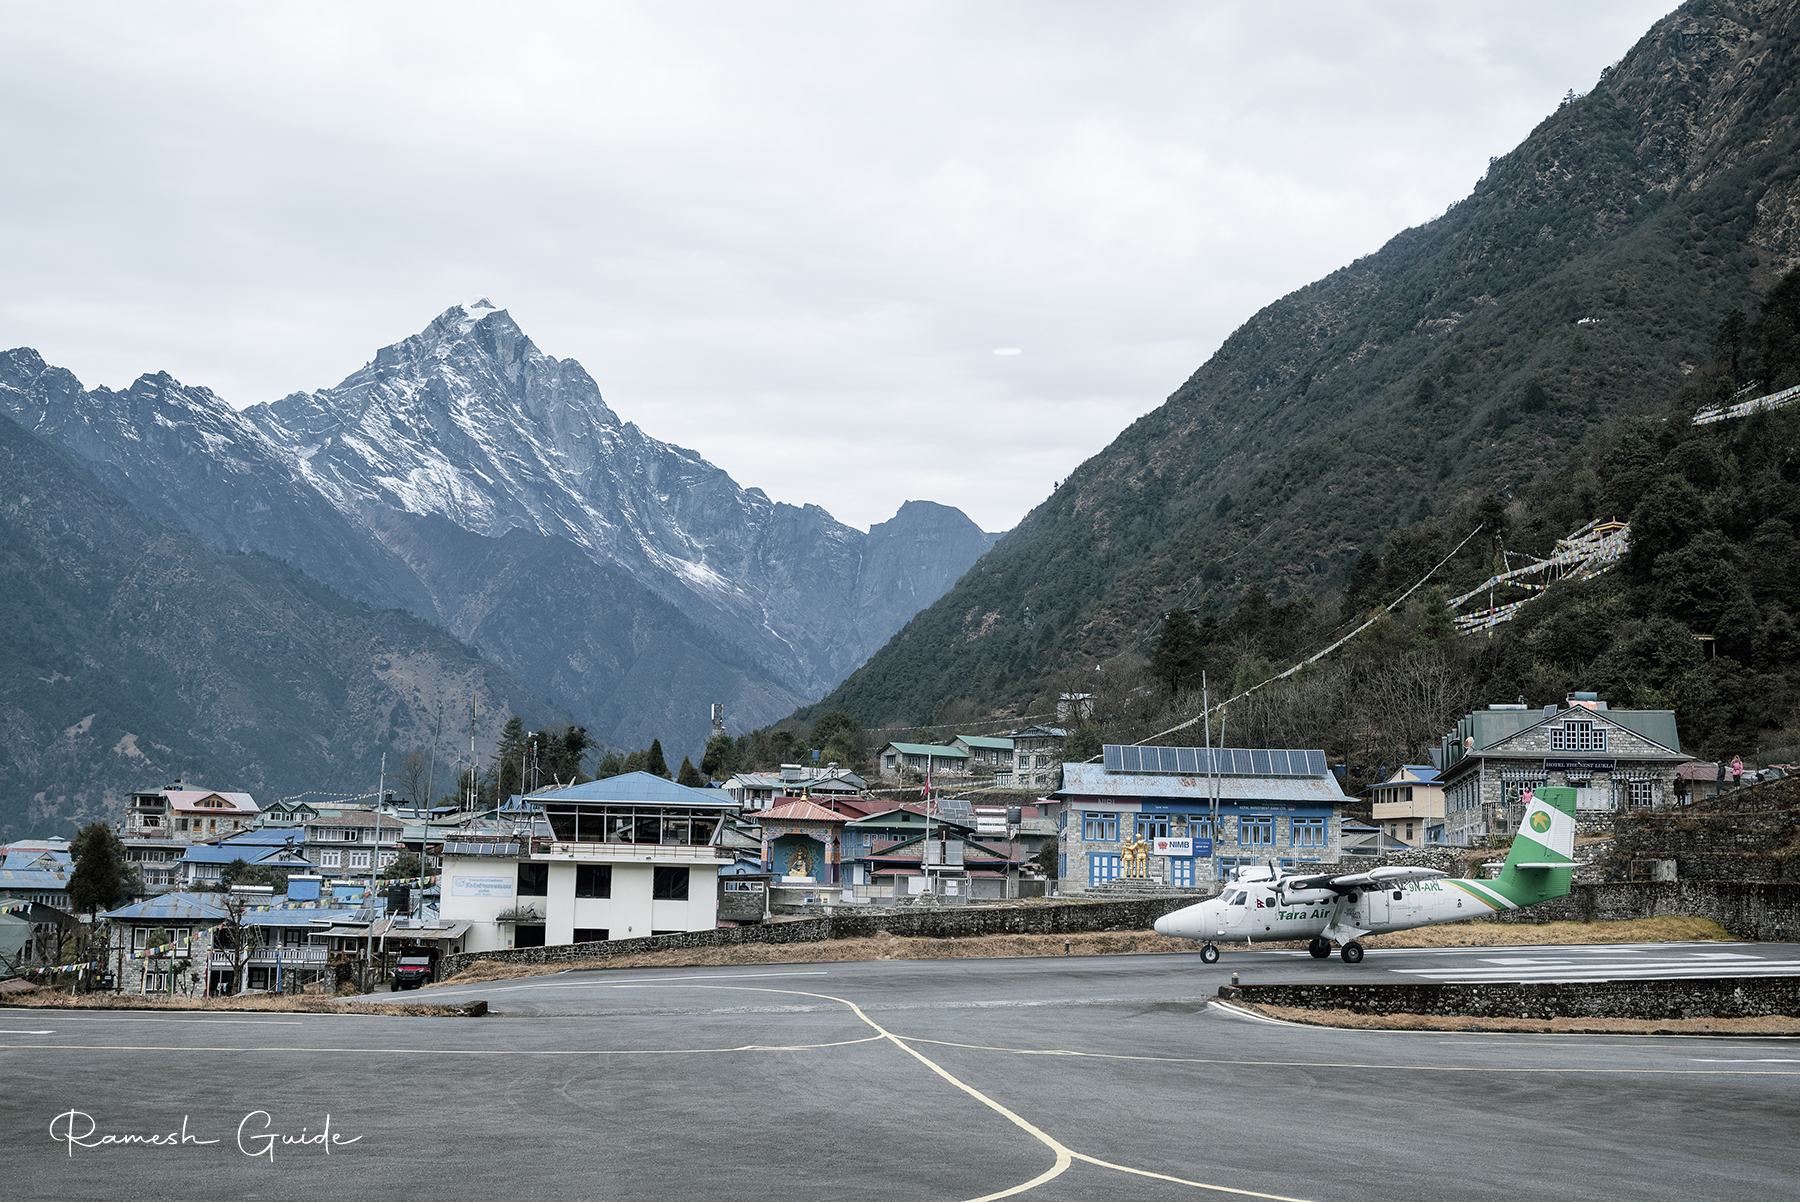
(1209, 954)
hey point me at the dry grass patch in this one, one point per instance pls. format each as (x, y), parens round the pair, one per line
(1102, 943)
(874, 947)
(45, 999)
(1775, 1024)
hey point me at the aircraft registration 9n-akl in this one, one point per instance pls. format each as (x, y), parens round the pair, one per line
(1264, 903)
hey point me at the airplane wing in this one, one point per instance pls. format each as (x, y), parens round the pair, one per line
(1375, 878)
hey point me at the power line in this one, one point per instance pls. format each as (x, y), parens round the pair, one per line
(1373, 618)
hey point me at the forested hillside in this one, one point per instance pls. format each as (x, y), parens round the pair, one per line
(1471, 368)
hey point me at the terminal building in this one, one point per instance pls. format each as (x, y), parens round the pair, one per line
(1274, 806)
(619, 858)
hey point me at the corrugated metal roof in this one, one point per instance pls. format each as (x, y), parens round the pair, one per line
(943, 751)
(173, 907)
(988, 743)
(200, 853)
(1093, 780)
(32, 878)
(800, 811)
(639, 787)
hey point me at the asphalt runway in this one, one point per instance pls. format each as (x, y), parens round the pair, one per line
(1048, 1079)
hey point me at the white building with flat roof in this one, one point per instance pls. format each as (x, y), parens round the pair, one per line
(628, 856)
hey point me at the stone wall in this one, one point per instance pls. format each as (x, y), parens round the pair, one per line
(1749, 834)
(850, 923)
(1716, 997)
(1748, 909)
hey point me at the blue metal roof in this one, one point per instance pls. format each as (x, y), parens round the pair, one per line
(173, 907)
(201, 853)
(33, 878)
(18, 858)
(265, 836)
(641, 788)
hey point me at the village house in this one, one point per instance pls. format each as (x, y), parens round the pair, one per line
(921, 760)
(947, 862)
(1409, 805)
(760, 790)
(36, 870)
(187, 815)
(202, 865)
(901, 824)
(627, 856)
(1037, 757)
(1613, 759)
(1275, 807)
(353, 841)
(986, 754)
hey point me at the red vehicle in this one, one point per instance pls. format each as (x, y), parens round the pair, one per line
(412, 972)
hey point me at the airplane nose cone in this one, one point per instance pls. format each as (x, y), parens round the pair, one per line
(1162, 926)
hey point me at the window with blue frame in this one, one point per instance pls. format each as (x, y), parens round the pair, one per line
(1256, 832)
(1100, 828)
(1198, 826)
(1308, 832)
(1230, 864)
(1153, 826)
(1181, 872)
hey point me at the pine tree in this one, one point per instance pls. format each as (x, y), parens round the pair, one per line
(98, 880)
(507, 758)
(1176, 661)
(656, 765)
(720, 758)
(690, 775)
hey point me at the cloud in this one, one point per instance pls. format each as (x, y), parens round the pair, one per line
(768, 231)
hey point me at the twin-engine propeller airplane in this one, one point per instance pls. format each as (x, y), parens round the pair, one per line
(1264, 903)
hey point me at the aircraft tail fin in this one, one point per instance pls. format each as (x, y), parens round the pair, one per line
(1540, 865)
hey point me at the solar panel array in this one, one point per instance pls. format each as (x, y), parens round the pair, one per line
(956, 809)
(1226, 761)
(481, 849)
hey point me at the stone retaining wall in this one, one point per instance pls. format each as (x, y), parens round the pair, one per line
(1748, 909)
(850, 923)
(1716, 997)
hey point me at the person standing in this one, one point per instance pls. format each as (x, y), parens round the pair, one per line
(1737, 771)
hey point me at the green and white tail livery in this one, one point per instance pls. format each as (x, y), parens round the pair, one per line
(1540, 865)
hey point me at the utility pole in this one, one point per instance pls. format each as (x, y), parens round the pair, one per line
(472, 772)
(431, 769)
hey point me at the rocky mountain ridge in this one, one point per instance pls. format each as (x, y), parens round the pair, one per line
(470, 479)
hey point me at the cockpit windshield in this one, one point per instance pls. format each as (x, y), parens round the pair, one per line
(1237, 899)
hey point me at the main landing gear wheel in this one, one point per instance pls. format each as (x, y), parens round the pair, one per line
(1352, 953)
(1319, 948)
(1209, 954)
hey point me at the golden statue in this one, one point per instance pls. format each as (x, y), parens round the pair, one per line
(1134, 854)
(799, 864)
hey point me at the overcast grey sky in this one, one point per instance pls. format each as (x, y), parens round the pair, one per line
(790, 236)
